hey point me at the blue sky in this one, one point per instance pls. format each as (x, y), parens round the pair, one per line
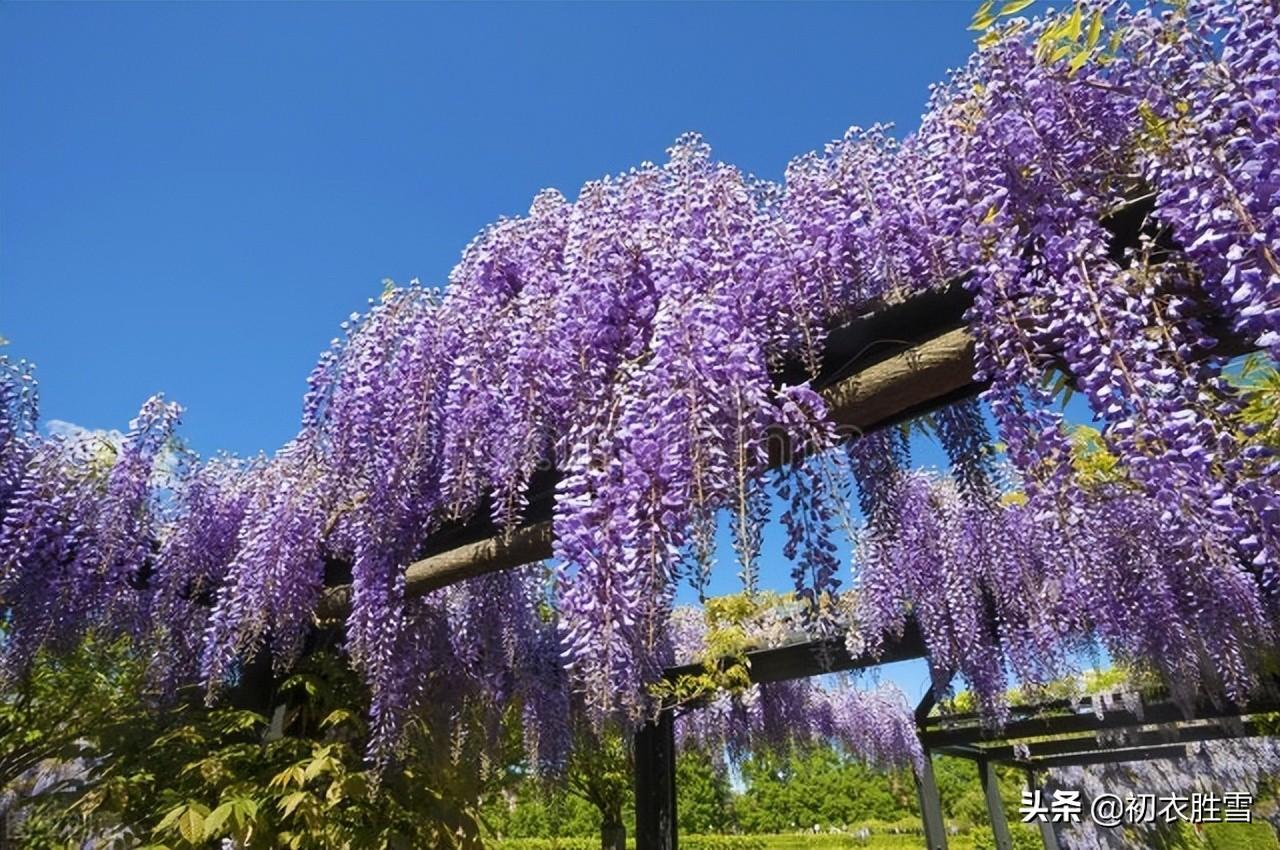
(193, 196)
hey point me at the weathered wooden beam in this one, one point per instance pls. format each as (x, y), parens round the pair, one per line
(1171, 751)
(1048, 834)
(814, 658)
(1177, 733)
(1067, 724)
(918, 376)
(935, 828)
(995, 805)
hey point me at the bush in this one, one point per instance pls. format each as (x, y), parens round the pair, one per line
(1258, 835)
(687, 842)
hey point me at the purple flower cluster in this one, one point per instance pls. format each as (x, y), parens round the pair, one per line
(1241, 765)
(1005, 592)
(876, 726)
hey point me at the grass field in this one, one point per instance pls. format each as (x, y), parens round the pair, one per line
(1254, 836)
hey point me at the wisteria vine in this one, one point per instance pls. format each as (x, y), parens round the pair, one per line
(629, 340)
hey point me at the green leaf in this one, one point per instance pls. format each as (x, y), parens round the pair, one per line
(1013, 7)
(1078, 61)
(291, 802)
(317, 767)
(170, 819)
(213, 823)
(247, 807)
(191, 824)
(1071, 29)
(1095, 30)
(984, 17)
(336, 717)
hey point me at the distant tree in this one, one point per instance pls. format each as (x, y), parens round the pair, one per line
(704, 799)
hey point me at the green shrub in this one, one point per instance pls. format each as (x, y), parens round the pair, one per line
(1258, 835)
(687, 842)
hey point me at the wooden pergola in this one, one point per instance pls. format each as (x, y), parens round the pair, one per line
(1040, 736)
(897, 360)
(894, 362)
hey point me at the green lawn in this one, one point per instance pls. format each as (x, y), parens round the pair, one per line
(1254, 836)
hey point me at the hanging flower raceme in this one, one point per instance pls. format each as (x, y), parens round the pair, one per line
(876, 726)
(200, 539)
(78, 540)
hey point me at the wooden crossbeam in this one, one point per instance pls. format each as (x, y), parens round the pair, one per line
(1172, 751)
(896, 362)
(1177, 733)
(918, 378)
(970, 734)
(814, 658)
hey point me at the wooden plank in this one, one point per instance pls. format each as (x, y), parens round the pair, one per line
(1066, 724)
(1048, 834)
(1172, 751)
(1176, 734)
(935, 828)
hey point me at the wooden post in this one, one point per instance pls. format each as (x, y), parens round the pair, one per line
(995, 805)
(935, 830)
(1047, 833)
(656, 784)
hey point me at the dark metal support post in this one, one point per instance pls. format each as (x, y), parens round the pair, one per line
(656, 784)
(1047, 834)
(935, 831)
(995, 805)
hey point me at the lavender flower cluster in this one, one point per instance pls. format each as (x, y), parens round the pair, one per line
(628, 340)
(1240, 765)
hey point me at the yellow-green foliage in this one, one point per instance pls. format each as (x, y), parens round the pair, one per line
(1259, 382)
(1093, 462)
(724, 660)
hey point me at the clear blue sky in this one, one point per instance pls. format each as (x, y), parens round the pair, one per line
(193, 196)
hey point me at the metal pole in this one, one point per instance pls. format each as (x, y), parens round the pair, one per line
(656, 784)
(995, 805)
(935, 831)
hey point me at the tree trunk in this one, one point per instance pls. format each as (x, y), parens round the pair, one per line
(613, 836)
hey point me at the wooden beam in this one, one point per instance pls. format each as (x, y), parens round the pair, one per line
(1171, 751)
(935, 828)
(1177, 733)
(1153, 714)
(814, 658)
(1048, 834)
(906, 383)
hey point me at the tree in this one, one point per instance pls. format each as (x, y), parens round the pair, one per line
(704, 799)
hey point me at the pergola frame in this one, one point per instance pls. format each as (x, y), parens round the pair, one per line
(1044, 735)
(892, 362)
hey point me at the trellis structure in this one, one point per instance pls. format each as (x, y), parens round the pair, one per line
(1043, 735)
(903, 360)
(900, 361)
